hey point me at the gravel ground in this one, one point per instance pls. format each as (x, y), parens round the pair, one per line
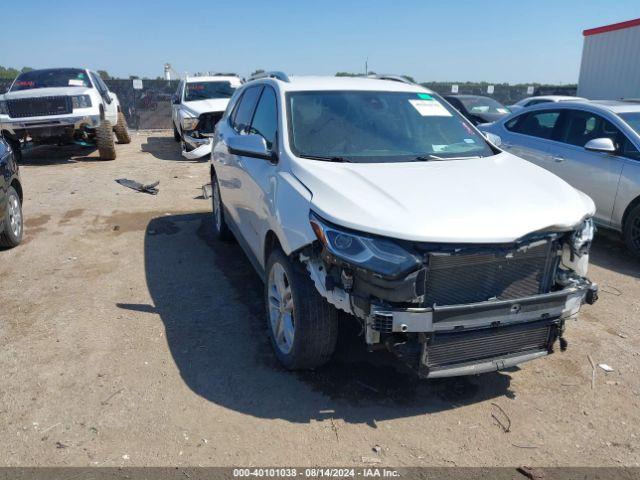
(131, 337)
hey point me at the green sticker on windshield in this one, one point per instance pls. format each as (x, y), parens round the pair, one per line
(425, 96)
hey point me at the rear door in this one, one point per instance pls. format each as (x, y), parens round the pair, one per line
(595, 173)
(529, 135)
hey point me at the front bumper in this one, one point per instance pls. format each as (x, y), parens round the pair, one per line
(36, 125)
(198, 147)
(481, 337)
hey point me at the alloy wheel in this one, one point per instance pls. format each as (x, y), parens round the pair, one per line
(281, 308)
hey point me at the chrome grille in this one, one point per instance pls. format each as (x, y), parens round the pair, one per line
(463, 278)
(462, 347)
(40, 106)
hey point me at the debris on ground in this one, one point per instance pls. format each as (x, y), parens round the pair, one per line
(593, 372)
(502, 419)
(605, 367)
(151, 188)
(531, 472)
(371, 460)
(377, 448)
(61, 445)
(206, 191)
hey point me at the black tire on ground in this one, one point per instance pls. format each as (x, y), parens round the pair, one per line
(17, 150)
(122, 130)
(632, 230)
(220, 227)
(315, 321)
(104, 141)
(176, 134)
(12, 224)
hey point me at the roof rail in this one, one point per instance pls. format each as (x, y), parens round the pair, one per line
(277, 75)
(393, 78)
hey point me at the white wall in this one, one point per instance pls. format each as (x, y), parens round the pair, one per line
(610, 68)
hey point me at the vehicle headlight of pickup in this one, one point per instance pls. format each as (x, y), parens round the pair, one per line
(3, 108)
(81, 101)
(189, 123)
(377, 255)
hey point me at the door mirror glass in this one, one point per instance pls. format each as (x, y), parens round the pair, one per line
(175, 99)
(250, 146)
(493, 138)
(605, 145)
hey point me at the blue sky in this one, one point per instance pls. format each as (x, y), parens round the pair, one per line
(498, 41)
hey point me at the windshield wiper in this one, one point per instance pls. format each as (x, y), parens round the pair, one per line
(427, 158)
(327, 159)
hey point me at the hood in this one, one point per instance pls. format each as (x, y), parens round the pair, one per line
(45, 92)
(205, 106)
(496, 199)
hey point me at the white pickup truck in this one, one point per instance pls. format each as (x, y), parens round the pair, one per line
(197, 105)
(59, 106)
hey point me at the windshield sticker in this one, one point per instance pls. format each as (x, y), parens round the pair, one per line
(425, 96)
(503, 110)
(469, 140)
(74, 82)
(438, 148)
(430, 108)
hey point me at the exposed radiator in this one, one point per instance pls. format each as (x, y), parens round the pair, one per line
(461, 347)
(477, 277)
(207, 121)
(40, 106)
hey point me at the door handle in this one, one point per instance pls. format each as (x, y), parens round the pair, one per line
(506, 145)
(557, 158)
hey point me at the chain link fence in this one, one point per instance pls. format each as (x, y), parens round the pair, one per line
(150, 107)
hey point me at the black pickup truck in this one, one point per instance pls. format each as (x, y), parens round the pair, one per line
(11, 225)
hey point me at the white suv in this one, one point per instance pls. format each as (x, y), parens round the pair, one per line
(62, 105)
(376, 198)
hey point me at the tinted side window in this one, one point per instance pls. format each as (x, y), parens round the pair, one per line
(536, 102)
(537, 124)
(244, 111)
(265, 120)
(581, 126)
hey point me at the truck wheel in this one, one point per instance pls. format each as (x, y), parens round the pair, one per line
(122, 130)
(176, 134)
(104, 140)
(303, 327)
(220, 228)
(632, 231)
(11, 234)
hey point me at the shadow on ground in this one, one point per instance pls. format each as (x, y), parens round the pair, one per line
(58, 155)
(211, 303)
(166, 148)
(610, 252)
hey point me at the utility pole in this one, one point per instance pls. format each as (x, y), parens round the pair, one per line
(366, 66)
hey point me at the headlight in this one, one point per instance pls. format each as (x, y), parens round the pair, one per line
(3, 108)
(81, 101)
(189, 123)
(582, 237)
(378, 255)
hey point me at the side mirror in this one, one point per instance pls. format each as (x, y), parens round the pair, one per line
(603, 145)
(493, 138)
(175, 100)
(251, 145)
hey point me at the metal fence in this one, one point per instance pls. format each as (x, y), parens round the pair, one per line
(150, 107)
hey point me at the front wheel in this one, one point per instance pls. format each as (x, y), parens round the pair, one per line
(632, 231)
(176, 134)
(303, 327)
(220, 228)
(12, 225)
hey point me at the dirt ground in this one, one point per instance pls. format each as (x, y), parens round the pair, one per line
(130, 337)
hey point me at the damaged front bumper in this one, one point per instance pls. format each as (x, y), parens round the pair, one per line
(195, 147)
(48, 126)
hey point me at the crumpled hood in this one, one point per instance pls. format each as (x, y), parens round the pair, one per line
(485, 200)
(205, 106)
(45, 92)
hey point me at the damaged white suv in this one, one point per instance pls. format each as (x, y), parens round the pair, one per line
(376, 198)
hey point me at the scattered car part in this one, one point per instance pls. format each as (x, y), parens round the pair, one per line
(149, 188)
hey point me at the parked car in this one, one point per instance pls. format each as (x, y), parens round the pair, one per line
(594, 146)
(377, 198)
(61, 106)
(478, 109)
(11, 225)
(197, 105)
(531, 101)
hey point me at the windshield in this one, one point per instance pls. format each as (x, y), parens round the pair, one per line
(633, 120)
(208, 90)
(483, 105)
(367, 126)
(52, 77)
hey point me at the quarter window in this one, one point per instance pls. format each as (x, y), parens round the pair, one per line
(265, 120)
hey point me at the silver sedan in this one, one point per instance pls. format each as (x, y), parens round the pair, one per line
(593, 145)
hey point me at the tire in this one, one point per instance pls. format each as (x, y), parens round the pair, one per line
(176, 134)
(17, 150)
(122, 130)
(12, 223)
(220, 227)
(312, 323)
(631, 231)
(104, 141)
